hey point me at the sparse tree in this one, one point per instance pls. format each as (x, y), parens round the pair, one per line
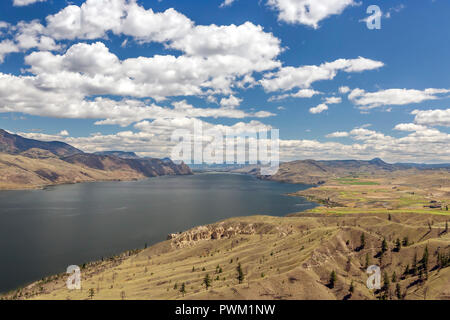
(394, 277)
(425, 259)
(414, 264)
(398, 245)
(405, 241)
(183, 289)
(91, 293)
(352, 288)
(398, 291)
(384, 246)
(407, 271)
(123, 295)
(207, 281)
(363, 241)
(386, 282)
(333, 279)
(240, 276)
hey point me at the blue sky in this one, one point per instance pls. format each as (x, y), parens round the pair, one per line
(145, 59)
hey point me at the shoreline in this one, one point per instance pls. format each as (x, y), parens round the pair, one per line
(44, 187)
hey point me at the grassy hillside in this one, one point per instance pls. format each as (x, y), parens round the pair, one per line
(38, 168)
(319, 172)
(27, 164)
(281, 258)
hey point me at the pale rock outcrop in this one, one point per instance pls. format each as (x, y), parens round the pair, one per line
(210, 232)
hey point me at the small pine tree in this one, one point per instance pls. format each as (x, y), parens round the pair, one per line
(389, 217)
(398, 291)
(425, 259)
(333, 279)
(363, 241)
(384, 246)
(240, 276)
(407, 271)
(386, 282)
(398, 245)
(123, 295)
(367, 260)
(394, 277)
(446, 224)
(352, 288)
(414, 264)
(405, 241)
(207, 281)
(183, 289)
(91, 293)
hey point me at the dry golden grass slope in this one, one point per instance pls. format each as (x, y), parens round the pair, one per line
(24, 172)
(282, 258)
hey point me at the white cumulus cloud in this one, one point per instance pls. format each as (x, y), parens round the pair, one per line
(368, 100)
(308, 12)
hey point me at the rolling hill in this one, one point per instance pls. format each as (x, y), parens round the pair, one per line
(28, 164)
(15, 144)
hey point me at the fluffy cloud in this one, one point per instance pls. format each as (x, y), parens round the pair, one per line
(344, 90)
(409, 127)
(230, 102)
(319, 109)
(369, 100)
(64, 133)
(288, 78)
(226, 3)
(153, 138)
(94, 18)
(60, 98)
(20, 3)
(7, 47)
(91, 69)
(338, 134)
(436, 117)
(211, 60)
(333, 100)
(302, 93)
(244, 48)
(308, 12)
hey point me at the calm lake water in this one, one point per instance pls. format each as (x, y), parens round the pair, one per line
(44, 231)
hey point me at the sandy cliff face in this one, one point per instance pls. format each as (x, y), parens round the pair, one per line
(210, 232)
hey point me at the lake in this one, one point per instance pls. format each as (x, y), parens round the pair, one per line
(44, 231)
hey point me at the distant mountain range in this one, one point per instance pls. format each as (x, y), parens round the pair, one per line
(27, 163)
(119, 154)
(15, 144)
(318, 172)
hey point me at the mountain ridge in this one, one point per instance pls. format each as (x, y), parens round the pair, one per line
(27, 163)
